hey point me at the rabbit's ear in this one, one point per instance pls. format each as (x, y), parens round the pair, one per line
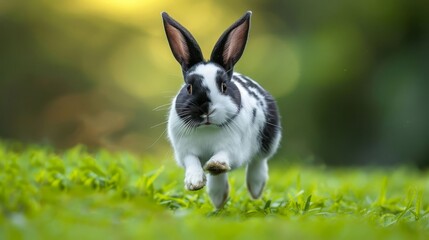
(231, 44)
(183, 45)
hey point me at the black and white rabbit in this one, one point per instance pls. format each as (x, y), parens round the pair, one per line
(220, 120)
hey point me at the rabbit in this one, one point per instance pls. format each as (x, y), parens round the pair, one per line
(220, 120)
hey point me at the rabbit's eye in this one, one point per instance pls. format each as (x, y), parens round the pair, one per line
(223, 87)
(189, 89)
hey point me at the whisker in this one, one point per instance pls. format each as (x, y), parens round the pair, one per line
(161, 107)
(159, 124)
(274, 125)
(156, 141)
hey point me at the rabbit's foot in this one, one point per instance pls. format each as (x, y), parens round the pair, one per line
(195, 180)
(215, 167)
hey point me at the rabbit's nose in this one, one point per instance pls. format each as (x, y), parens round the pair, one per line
(206, 115)
(211, 112)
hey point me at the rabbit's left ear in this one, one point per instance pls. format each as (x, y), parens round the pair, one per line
(231, 44)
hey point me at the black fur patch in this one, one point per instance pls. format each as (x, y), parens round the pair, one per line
(231, 90)
(247, 89)
(191, 107)
(253, 115)
(221, 77)
(272, 124)
(248, 83)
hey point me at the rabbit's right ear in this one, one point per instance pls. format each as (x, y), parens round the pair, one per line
(183, 45)
(230, 46)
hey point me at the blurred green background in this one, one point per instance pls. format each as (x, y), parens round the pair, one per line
(351, 77)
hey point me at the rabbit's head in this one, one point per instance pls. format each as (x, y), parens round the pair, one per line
(208, 97)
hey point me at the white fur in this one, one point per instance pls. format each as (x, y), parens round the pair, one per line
(236, 145)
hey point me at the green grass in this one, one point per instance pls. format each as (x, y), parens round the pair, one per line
(104, 195)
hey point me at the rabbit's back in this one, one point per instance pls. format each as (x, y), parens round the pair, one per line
(264, 113)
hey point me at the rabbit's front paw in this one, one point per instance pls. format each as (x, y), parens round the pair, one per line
(195, 181)
(215, 167)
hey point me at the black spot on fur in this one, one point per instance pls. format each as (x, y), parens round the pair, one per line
(272, 124)
(196, 80)
(247, 89)
(249, 83)
(221, 78)
(231, 90)
(253, 115)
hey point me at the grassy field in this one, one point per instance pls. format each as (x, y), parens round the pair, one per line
(102, 195)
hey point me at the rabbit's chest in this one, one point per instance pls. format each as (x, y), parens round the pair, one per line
(208, 141)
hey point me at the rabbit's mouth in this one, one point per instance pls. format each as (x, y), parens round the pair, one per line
(207, 122)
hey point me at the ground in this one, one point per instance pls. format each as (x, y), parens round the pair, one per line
(74, 194)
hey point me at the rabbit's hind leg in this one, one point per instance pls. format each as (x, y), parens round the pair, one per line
(218, 189)
(257, 176)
